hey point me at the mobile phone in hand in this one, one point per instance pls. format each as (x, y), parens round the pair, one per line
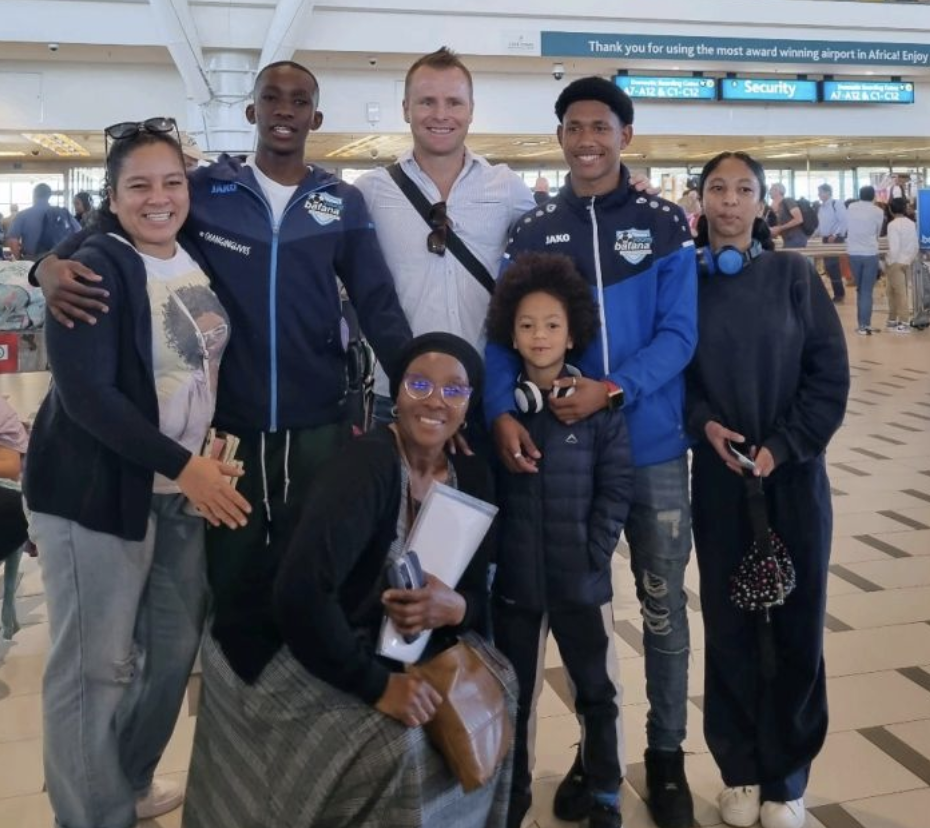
(406, 573)
(741, 453)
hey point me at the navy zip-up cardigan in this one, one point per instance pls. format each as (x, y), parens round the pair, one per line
(95, 445)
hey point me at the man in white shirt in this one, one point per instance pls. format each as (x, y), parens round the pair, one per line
(902, 250)
(831, 227)
(480, 201)
(863, 226)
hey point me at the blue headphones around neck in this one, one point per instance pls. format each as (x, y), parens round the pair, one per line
(530, 399)
(728, 260)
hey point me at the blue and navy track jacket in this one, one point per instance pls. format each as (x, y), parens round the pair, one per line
(636, 252)
(285, 363)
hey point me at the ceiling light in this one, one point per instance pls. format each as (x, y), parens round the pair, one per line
(11, 154)
(57, 143)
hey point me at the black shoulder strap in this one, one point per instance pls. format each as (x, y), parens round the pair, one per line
(453, 242)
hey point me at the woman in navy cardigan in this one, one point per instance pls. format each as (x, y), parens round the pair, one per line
(119, 491)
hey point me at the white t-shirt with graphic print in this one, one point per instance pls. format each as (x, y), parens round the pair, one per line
(190, 329)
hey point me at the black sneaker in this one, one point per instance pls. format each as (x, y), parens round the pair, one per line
(604, 816)
(573, 800)
(520, 802)
(669, 798)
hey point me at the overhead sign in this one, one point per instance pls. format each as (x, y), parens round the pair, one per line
(841, 91)
(743, 49)
(654, 87)
(789, 90)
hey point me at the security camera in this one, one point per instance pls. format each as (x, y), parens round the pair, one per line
(372, 61)
(373, 152)
(33, 152)
(53, 47)
(558, 71)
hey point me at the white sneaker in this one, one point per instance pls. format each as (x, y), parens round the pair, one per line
(739, 806)
(892, 323)
(783, 814)
(163, 796)
(903, 328)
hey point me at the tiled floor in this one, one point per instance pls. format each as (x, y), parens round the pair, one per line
(875, 769)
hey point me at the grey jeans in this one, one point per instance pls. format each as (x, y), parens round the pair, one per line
(125, 620)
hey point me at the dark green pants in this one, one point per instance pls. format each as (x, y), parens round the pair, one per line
(242, 563)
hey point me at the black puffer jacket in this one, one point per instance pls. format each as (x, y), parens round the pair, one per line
(559, 527)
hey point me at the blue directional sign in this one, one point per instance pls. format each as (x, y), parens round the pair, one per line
(923, 218)
(842, 91)
(657, 88)
(787, 90)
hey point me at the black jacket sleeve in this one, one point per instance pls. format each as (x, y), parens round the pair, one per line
(370, 285)
(85, 361)
(353, 498)
(820, 402)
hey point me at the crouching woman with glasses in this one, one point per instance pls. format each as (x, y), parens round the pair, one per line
(330, 734)
(119, 492)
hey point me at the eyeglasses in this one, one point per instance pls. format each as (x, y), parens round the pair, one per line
(453, 395)
(130, 129)
(436, 240)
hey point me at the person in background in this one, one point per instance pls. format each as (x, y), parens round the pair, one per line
(118, 491)
(193, 155)
(788, 221)
(8, 220)
(25, 236)
(337, 728)
(831, 227)
(541, 190)
(780, 406)
(83, 208)
(903, 249)
(864, 221)
(13, 444)
(559, 528)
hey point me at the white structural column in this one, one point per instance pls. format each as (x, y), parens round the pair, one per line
(183, 43)
(287, 30)
(221, 123)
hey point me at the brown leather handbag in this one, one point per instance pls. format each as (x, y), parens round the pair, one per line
(472, 727)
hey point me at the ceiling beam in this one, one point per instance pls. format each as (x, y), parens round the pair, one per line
(285, 31)
(183, 42)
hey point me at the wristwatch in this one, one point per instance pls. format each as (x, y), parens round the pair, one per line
(614, 395)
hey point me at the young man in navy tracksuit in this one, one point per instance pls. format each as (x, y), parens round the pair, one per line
(637, 255)
(275, 235)
(559, 527)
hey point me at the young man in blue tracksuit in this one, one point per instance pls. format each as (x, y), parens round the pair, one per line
(637, 254)
(275, 235)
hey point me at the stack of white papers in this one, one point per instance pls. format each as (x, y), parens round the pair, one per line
(446, 534)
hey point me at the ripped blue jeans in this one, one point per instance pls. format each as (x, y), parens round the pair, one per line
(125, 619)
(658, 531)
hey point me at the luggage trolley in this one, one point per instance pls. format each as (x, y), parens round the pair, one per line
(920, 270)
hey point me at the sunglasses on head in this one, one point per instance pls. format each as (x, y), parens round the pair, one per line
(436, 240)
(129, 129)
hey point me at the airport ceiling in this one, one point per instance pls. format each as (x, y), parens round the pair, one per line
(531, 151)
(525, 151)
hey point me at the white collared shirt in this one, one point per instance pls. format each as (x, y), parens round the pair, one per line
(437, 293)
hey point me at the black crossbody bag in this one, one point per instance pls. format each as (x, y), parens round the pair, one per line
(453, 242)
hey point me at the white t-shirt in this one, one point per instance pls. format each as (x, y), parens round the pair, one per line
(278, 195)
(190, 329)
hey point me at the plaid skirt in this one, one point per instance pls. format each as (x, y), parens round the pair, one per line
(291, 751)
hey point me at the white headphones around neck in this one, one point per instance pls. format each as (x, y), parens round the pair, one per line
(530, 399)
